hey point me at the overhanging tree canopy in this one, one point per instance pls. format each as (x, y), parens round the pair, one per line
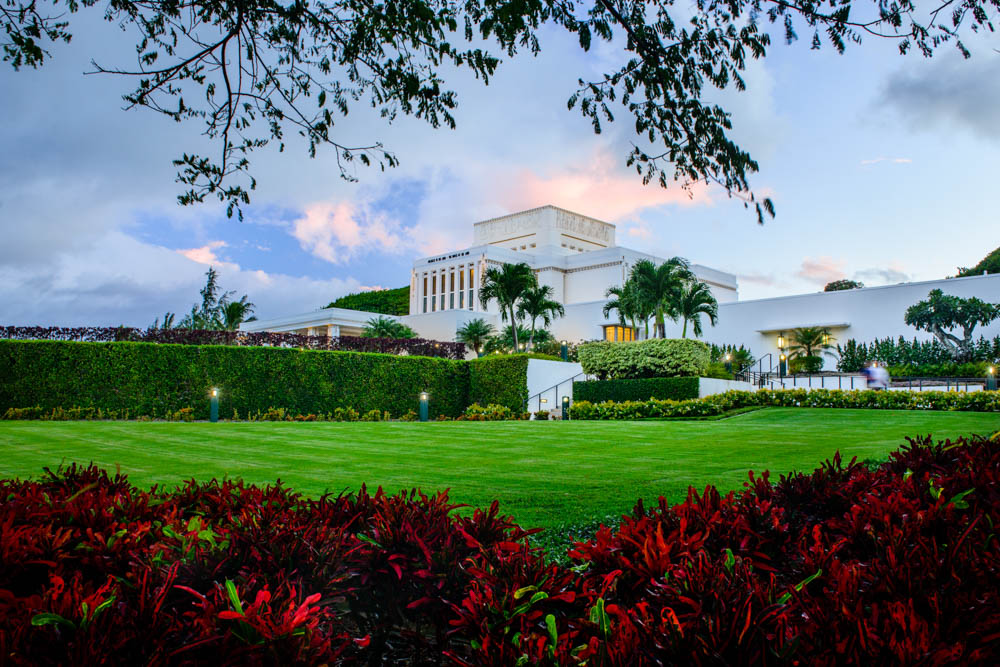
(253, 70)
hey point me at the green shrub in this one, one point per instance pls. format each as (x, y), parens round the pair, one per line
(644, 359)
(596, 391)
(500, 379)
(805, 364)
(490, 413)
(542, 415)
(979, 401)
(718, 371)
(157, 380)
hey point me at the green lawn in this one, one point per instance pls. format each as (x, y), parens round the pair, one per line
(545, 474)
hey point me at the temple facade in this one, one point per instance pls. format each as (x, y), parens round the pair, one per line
(577, 256)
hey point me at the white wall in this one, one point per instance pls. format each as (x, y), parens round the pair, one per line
(709, 386)
(551, 379)
(869, 313)
(442, 325)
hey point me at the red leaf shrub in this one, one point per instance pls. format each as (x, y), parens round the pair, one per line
(418, 346)
(846, 565)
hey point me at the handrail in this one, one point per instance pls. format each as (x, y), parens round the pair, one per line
(555, 386)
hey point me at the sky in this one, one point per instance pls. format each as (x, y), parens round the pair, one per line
(883, 168)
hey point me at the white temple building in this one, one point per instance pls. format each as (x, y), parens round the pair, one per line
(577, 256)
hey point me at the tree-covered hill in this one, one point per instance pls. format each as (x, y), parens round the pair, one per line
(388, 302)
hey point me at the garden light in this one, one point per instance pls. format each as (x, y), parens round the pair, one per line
(991, 380)
(424, 400)
(565, 407)
(729, 362)
(564, 351)
(213, 406)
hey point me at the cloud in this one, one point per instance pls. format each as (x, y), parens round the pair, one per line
(601, 187)
(206, 253)
(882, 276)
(894, 160)
(339, 232)
(948, 90)
(766, 279)
(121, 280)
(821, 270)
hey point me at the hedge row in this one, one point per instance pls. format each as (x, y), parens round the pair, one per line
(848, 565)
(596, 391)
(155, 380)
(417, 346)
(980, 401)
(500, 380)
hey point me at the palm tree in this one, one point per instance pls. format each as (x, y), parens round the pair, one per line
(806, 340)
(507, 285)
(474, 333)
(536, 303)
(386, 327)
(626, 300)
(660, 288)
(695, 299)
(233, 313)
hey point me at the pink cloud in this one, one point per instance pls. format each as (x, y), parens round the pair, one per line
(337, 232)
(599, 188)
(822, 270)
(206, 254)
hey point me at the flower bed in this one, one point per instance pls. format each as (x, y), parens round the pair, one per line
(847, 565)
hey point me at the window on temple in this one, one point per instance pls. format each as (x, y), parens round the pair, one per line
(619, 333)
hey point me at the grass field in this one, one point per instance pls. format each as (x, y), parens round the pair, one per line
(545, 474)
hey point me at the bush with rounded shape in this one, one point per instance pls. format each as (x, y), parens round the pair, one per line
(805, 364)
(659, 357)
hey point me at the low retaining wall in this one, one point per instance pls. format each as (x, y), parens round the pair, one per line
(709, 386)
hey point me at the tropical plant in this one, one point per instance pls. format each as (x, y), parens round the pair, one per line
(234, 313)
(537, 303)
(506, 285)
(941, 313)
(626, 300)
(696, 299)
(660, 288)
(807, 341)
(504, 341)
(474, 334)
(168, 321)
(386, 327)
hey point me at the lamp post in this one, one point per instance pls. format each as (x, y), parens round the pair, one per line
(520, 347)
(479, 351)
(564, 350)
(565, 407)
(729, 363)
(424, 397)
(991, 379)
(213, 406)
(782, 369)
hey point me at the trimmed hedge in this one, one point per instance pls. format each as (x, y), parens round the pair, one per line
(155, 379)
(710, 406)
(500, 380)
(658, 357)
(596, 391)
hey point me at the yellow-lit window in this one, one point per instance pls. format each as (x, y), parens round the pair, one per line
(619, 333)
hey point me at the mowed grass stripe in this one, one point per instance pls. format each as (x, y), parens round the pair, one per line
(543, 473)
